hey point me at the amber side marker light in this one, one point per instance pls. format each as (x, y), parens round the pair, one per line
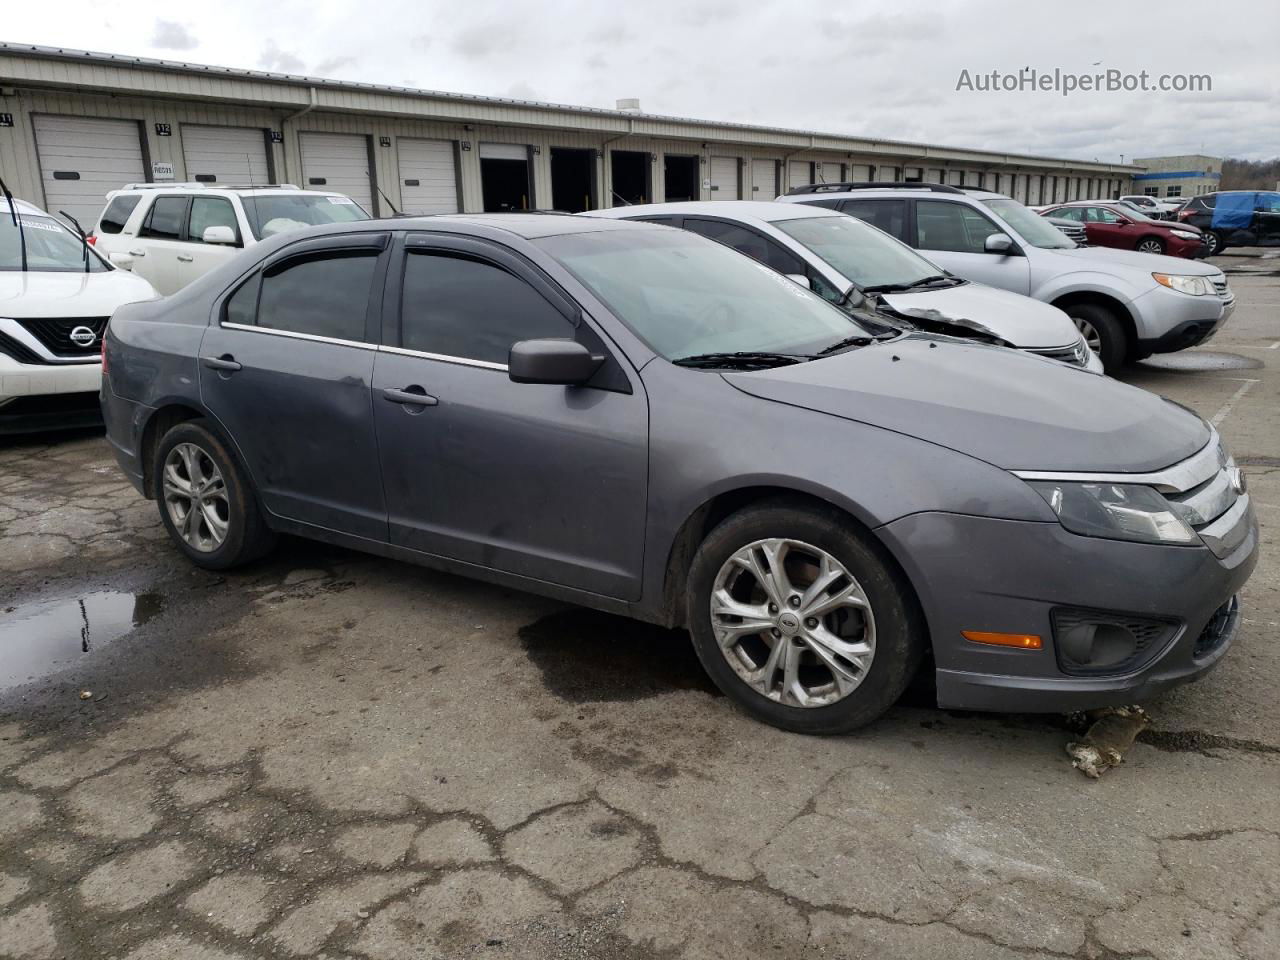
(1023, 641)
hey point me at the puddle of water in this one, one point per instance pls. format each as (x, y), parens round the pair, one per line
(37, 639)
(1201, 360)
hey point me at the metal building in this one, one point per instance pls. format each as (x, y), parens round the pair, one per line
(75, 124)
(1178, 177)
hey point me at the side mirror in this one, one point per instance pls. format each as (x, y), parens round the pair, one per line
(799, 278)
(565, 362)
(1000, 243)
(219, 235)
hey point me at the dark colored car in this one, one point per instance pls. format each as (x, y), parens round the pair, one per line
(1235, 218)
(1111, 225)
(642, 420)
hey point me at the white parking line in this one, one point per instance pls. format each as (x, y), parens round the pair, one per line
(1274, 345)
(1225, 409)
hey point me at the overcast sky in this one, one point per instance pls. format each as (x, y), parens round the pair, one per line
(863, 68)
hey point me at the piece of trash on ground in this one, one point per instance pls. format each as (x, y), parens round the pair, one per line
(1107, 740)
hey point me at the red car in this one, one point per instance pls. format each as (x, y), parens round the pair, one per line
(1111, 225)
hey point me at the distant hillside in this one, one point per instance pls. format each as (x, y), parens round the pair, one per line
(1250, 174)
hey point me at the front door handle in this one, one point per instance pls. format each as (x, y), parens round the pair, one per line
(137, 253)
(183, 258)
(413, 395)
(224, 362)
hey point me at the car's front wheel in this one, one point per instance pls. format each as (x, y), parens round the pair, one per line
(1213, 240)
(801, 620)
(1150, 245)
(1102, 332)
(205, 500)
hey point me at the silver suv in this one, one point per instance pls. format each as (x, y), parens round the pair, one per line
(1128, 305)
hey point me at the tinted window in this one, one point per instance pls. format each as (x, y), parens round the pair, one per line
(1101, 215)
(889, 215)
(748, 242)
(466, 308)
(242, 306)
(860, 252)
(326, 296)
(211, 212)
(953, 226)
(164, 221)
(117, 213)
(1068, 213)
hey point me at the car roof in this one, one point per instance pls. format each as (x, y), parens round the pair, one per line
(23, 206)
(921, 191)
(531, 226)
(162, 186)
(766, 211)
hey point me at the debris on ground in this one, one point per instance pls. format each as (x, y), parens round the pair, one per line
(1107, 740)
(86, 694)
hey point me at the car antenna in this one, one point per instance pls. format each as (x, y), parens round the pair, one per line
(84, 239)
(388, 199)
(17, 222)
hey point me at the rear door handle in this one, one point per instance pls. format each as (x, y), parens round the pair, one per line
(413, 395)
(183, 258)
(221, 363)
(137, 253)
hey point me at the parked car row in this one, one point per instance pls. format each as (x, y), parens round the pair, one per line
(637, 418)
(1234, 218)
(1111, 225)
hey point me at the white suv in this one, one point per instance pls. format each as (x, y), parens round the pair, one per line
(172, 233)
(55, 297)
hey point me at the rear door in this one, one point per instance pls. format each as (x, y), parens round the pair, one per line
(161, 240)
(534, 480)
(286, 370)
(953, 236)
(83, 158)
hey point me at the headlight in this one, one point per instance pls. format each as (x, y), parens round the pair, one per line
(1196, 286)
(1185, 234)
(1116, 511)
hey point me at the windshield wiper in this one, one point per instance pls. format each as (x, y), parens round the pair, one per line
(900, 287)
(858, 340)
(741, 358)
(17, 222)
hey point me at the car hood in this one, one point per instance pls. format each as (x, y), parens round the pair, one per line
(1011, 317)
(1146, 263)
(32, 294)
(1013, 410)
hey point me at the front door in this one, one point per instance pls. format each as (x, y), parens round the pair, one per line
(953, 235)
(537, 480)
(286, 370)
(199, 257)
(1106, 228)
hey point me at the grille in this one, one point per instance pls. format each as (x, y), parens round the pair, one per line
(19, 351)
(54, 334)
(1077, 354)
(1090, 642)
(1075, 233)
(1217, 629)
(1220, 288)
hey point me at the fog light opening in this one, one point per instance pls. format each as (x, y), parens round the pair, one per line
(1022, 641)
(1097, 645)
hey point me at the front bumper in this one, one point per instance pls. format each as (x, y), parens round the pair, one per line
(1008, 576)
(36, 397)
(1167, 320)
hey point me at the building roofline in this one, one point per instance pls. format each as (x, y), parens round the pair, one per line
(72, 55)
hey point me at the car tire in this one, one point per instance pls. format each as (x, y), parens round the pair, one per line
(205, 499)
(1103, 331)
(819, 543)
(1214, 240)
(1150, 245)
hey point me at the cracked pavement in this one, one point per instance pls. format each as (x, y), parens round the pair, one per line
(332, 755)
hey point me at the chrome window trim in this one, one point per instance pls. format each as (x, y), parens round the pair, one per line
(444, 358)
(293, 335)
(1179, 478)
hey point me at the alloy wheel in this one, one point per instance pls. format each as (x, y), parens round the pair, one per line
(1090, 334)
(793, 623)
(195, 496)
(1150, 246)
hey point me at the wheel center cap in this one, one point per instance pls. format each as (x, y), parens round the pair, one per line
(789, 624)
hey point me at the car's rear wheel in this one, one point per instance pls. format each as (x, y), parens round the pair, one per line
(205, 499)
(801, 620)
(1150, 245)
(1102, 331)
(1213, 240)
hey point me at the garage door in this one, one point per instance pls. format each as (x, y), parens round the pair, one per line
(225, 154)
(338, 162)
(724, 178)
(428, 176)
(82, 158)
(764, 179)
(799, 173)
(830, 173)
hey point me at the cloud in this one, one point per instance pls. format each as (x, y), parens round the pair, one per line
(326, 68)
(169, 35)
(486, 39)
(280, 61)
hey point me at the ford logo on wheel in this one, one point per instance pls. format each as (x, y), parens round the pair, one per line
(83, 336)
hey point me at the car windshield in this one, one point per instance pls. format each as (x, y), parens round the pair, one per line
(867, 256)
(685, 295)
(270, 214)
(51, 247)
(1032, 227)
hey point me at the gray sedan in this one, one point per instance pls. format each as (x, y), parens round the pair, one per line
(644, 421)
